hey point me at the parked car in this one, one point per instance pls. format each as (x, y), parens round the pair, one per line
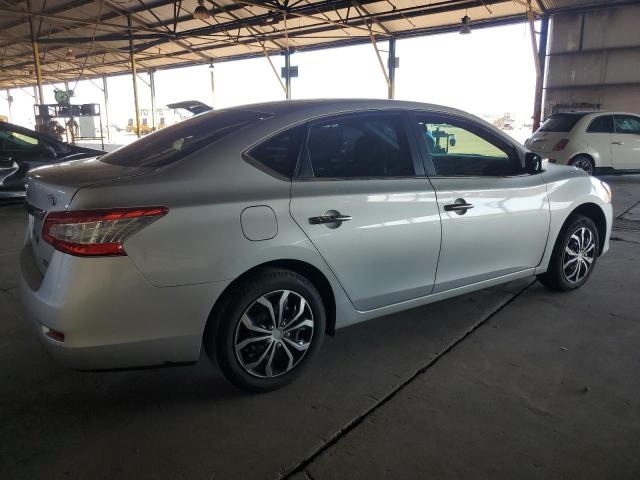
(256, 230)
(592, 141)
(22, 149)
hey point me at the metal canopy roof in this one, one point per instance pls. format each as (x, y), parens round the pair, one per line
(88, 38)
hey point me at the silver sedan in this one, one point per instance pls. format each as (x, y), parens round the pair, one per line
(254, 231)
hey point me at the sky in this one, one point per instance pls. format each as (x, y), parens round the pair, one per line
(490, 72)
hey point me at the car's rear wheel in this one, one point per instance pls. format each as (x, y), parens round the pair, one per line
(574, 256)
(271, 327)
(584, 163)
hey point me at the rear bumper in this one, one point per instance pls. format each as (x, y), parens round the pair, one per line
(111, 317)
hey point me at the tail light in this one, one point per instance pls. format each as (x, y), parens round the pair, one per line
(87, 233)
(558, 147)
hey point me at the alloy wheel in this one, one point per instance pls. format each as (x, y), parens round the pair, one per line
(578, 255)
(274, 334)
(584, 164)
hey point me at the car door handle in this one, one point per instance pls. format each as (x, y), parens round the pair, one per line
(617, 143)
(329, 219)
(458, 207)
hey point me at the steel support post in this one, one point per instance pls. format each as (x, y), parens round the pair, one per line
(134, 73)
(392, 68)
(287, 71)
(105, 91)
(152, 86)
(9, 102)
(213, 86)
(542, 57)
(36, 55)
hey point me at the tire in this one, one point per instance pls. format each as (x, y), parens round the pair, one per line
(253, 353)
(581, 237)
(584, 163)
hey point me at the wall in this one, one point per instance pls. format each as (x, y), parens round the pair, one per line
(594, 59)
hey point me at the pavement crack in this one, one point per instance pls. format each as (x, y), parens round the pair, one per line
(342, 432)
(618, 239)
(627, 210)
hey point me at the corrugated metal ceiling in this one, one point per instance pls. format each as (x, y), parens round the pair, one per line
(89, 38)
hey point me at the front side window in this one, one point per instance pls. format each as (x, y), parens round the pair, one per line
(280, 153)
(359, 146)
(456, 150)
(12, 140)
(627, 124)
(603, 124)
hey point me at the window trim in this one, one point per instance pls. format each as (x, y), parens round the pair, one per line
(613, 123)
(478, 129)
(615, 130)
(304, 161)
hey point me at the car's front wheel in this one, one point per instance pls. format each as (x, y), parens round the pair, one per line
(574, 255)
(271, 327)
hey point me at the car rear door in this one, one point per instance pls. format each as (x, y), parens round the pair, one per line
(495, 219)
(625, 142)
(362, 198)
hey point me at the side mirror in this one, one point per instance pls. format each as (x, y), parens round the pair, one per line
(532, 163)
(49, 152)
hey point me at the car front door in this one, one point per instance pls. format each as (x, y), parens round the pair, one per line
(598, 135)
(625, 142)
(495, 219)
(362, 198)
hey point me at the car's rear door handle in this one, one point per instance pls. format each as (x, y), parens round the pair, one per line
(329, 219)
(617, 143)
(459, 206)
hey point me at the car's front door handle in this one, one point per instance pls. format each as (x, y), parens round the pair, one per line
(329, 219)
(617, 143)
(458, 206)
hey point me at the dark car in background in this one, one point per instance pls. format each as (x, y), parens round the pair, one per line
(22, 149)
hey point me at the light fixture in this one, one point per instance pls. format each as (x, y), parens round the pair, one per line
(465, 29)
(69, 55)
(201, 11)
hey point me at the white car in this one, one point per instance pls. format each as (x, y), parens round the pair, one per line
(590, 140)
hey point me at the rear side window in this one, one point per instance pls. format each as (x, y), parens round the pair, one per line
(603, 124)
(627, 124)
(170, 144)
(560, 122)
(279, 154)
(359, 146)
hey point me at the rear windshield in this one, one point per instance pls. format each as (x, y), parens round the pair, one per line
(560, 122)
(175, 142)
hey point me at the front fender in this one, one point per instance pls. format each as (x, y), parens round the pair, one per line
(568, 189)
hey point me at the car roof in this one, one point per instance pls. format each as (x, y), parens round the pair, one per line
(339, 104)
(293, 111)
(593, 113)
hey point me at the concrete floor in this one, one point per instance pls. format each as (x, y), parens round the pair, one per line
(511, 382)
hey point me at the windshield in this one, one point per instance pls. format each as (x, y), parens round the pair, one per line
(175, 142)
(561, 122)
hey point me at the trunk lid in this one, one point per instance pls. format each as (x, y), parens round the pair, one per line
(53, 187)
